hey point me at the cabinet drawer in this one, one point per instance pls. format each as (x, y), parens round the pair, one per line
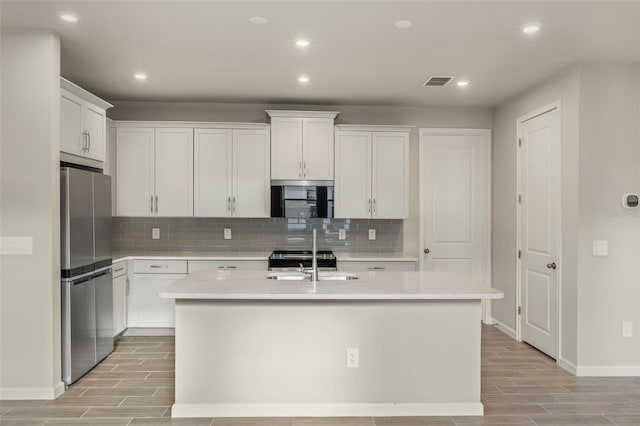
(377, 266)
(160, 267)
(241, 265)
(119, 269)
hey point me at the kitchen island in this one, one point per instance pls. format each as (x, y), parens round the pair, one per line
(387, 343)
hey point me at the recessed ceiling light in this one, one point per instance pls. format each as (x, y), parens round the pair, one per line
(303, 79)
(258, 20)
(463, 83)
(301, 42)
(140, 76)
(531, 28)
(402, 24)
(67, 17)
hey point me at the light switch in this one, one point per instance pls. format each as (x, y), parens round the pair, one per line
(600, 248)
(16, 245)
(342, 234)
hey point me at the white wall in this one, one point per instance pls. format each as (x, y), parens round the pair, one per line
(29, 206)
(608, 287)
(565, 88)
(353, 114)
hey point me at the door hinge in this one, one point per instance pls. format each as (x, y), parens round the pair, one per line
(519, 310)
(519, 199)
(519, 254)
(519, 143)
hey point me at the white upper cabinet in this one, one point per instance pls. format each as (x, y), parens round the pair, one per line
(231, 176)
(82, 122)
(154, 169)
(302, 145)
(372, 172)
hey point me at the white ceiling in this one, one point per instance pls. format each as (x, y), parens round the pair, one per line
(208, 50)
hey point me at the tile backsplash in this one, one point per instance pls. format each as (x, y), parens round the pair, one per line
(206, 234)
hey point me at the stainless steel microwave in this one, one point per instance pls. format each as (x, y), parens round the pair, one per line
(302, 199)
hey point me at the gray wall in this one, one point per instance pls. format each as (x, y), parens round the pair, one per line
(600, 151)
(253, 235)
(29, 207)
(351, 114)
(608, 287)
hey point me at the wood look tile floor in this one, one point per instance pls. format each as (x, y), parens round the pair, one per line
(520, 386)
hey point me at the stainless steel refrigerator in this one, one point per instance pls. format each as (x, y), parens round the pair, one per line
(87, 287)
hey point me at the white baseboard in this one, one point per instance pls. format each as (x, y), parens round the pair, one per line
(32, 393)
(608, 370)
(326, 410)
(143, 331)
(568, 366)
(506, 330)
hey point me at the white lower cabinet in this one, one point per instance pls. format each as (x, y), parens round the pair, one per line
(120, 297)
(146, 309)
(355, 266)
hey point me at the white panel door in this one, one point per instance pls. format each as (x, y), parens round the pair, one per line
(538, 231)
(94, 123)
(174, 172)
(317, 148)
(286, 148)
(352, 191)
(390, 175)
(71, 130)
(134, 171)
(454, 182)
(251, 178)
(213, 149)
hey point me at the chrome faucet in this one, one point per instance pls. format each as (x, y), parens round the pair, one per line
(313, 271)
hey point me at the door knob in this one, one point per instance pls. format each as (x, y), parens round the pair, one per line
(426, 251)
(551, 265)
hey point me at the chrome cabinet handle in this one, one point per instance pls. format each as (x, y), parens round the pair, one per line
(227, 267)
(88, 141)
(152, 204)
(156, 204)
(551, 265)
(228, 205)
(375, 210)
(127, 286)
(377, 268)
(304, 169)
(299, 169)
(369, 207)
(118, 270)
(159, 266)
(84, 141)
(233, 205)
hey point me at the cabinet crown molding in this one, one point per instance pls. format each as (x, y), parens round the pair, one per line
(84, 94)
(190, 124)
(373, 128)
(301, 114)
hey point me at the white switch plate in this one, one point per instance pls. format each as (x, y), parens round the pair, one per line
(342, 234)
(155, 233)
(600, 248)
(372, 234)
(227, 233)
(16, 245)
(353, 358)
(627, 330)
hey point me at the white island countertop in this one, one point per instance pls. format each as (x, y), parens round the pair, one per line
(254, 285)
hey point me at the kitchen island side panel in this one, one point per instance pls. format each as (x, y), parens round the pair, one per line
(288, 358)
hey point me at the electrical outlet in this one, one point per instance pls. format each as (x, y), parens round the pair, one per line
(353, 358)
(372, 234)
(155, 233)
(342, 234)
(627, 330)
(227, 233)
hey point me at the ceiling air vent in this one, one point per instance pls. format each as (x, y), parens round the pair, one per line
(437, 81)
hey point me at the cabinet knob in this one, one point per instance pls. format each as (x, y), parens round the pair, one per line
(426, 251)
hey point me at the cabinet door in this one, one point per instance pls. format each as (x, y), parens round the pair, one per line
(317, 148)
(134, 171)
(251, 181)
(286, 148)
(174, 172)
(213, 150)
(390, 175)
(119, 304)
(72, 140)
(94, 125)
(146, 309)
(352, 191)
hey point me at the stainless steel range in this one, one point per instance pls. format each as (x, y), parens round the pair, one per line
(291, 260)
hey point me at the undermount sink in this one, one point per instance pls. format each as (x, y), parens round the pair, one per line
(322, 276)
